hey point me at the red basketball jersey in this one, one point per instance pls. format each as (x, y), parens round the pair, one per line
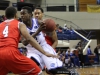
(9, 33)
(49, 40)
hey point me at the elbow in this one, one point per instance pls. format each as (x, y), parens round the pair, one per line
(28, 39)
(56, 42)
(25, 42)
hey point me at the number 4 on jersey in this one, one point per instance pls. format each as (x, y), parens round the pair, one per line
(5, 31)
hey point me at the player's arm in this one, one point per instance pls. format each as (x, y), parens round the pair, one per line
(36, 33)
(54, 39)
(25, 42)
(31, 40)
(41, 27)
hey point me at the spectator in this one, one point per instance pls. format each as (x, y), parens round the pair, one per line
(68, 50)
(60, 29)
(1, 19)
(57, 26)
(65, 27)
(4, 18)
(79, 44)
(80, 54)
(58, 54)
(89, 52)
(98, 1)
(68, 59)
(63, 56)
(75, 59)
(97, 52)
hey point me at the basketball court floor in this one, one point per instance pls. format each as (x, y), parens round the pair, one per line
(92, 70)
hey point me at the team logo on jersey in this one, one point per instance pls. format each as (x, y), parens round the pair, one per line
(52, 64)
(35, 27)
(31, 33)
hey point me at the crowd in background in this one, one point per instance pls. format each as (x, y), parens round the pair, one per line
(2, 18)
(61, 29)
(75, 57)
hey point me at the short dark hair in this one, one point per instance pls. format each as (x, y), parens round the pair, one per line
(39, 9)
(10, 12)
(89, 46)
(29, 9)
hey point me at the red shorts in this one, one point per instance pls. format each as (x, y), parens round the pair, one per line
(12, 60)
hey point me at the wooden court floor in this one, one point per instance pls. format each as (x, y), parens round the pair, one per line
(83, 71)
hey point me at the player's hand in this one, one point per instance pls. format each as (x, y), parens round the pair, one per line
(42, 26)
(50, 55)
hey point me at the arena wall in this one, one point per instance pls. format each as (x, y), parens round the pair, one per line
(82, 19)
(57, 2)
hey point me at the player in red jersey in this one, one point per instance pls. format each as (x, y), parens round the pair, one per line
(51, 37)
(10, 57)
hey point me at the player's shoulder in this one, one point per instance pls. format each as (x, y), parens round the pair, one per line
(12, 21)
(7, 21)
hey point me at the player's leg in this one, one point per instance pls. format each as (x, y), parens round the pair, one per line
(53, 65)
(3, 70)
(19, 64)
(36, 58)
(50, 62)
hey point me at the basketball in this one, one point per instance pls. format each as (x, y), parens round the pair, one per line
(50, 25)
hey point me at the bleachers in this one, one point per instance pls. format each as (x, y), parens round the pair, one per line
(67, 35)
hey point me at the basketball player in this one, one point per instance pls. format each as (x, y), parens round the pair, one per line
(51, 37)
(35, 30)
(10, 57)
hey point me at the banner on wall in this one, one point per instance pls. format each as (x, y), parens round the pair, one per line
(93, 8)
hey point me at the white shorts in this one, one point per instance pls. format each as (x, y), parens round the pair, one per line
(37, 57)
(50, 63)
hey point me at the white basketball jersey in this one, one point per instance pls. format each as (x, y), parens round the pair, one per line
(40, 37)
(50, 62)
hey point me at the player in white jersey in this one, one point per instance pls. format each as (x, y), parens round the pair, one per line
(35, 30)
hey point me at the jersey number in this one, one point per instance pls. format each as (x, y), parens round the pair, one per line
(5, 31)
